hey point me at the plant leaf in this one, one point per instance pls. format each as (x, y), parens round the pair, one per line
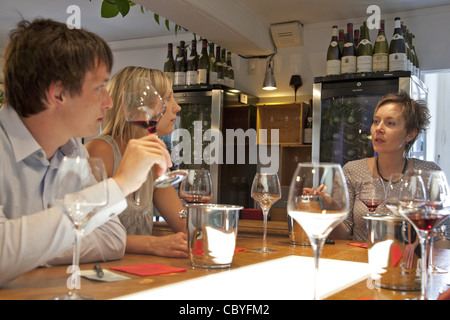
(156, 16)
(109, 10)
(167, 24)
(124, 7)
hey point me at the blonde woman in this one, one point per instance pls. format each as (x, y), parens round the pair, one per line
(110, 145)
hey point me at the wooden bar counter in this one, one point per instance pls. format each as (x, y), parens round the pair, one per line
(47, 283)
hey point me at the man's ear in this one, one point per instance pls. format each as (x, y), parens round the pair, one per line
(55, 93)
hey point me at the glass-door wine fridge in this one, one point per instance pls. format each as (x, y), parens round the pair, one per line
(343, 108)
(199, 139)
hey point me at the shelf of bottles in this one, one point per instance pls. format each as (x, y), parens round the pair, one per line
(192, 70)
(294, 124)
(353, 52)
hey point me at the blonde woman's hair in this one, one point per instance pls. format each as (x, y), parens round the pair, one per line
(115, 124)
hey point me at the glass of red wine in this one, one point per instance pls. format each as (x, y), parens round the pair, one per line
(416, 207)
(197, 187)
(144, 107)
(372, 193)
(437, 201)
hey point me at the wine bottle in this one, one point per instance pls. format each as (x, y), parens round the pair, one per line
(307, 130)
(213, 69)
(341, 40)
(180, 67)
(365, 51)
(230, 71)
(413, 54)
(169, 64)
(220, 79)
(204, 65)
(408, 50)
(334, 54)
(192, 65)
(224, 67)
(397, 50)
(356, 37)
(381, 51)
(348, 59)
(413, 40)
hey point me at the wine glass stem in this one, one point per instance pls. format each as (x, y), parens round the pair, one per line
(423, 247)
(317, 245)
(74, 285)
(265, 214)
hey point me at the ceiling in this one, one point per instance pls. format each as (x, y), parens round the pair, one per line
(138, 25)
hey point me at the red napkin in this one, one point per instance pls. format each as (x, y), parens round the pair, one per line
(239, 249)
(360, 245)
(148, 269)
(396, 254)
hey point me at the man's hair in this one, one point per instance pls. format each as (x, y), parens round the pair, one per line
(44, 52)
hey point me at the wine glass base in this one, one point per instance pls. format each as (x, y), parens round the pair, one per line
(74, 296)
(434, 269)
(170, 178)
(263, 250)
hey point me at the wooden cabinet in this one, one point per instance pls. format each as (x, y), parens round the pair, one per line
(289, 119)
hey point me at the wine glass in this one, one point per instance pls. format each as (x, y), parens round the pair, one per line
(144, 107)
(415, 207)
(80, 188)
(392, 193)
(318, 201)
(437, 197)
(266, 190)
(373, 194)
(197, 187)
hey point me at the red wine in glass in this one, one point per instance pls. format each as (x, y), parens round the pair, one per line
(425, 221)
(149, 125)
(372, 204)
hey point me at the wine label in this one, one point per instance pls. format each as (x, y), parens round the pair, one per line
(381, 38)
(333, 67)
(348, 64)
(380, 62)
(364, 42)
(396, 37)
(398, 62)
(231, 83)
(213, 77)
(333, 43)
(191, 78)
(202, 76)
(307, 135)
(180, 78)
(364, 64)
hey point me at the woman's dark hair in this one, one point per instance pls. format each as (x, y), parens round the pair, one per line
(415, 112)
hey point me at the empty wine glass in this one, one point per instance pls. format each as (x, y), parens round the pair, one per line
(80, 188)
(266, 190)
(372, 193)
(318, 201)
(392, 193)
(144, 107)
(197, 187)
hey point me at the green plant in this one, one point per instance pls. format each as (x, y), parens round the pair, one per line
(111, 8)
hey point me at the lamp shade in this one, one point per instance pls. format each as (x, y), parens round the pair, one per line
(269, 80)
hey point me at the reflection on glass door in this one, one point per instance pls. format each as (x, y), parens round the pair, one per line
(345, 128)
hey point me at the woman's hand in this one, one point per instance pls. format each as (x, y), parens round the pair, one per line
(139, 157)
(312, 192)
(172, 246)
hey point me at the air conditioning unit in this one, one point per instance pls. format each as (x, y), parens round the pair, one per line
(287, 34)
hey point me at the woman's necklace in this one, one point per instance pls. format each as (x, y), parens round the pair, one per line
(404, 169)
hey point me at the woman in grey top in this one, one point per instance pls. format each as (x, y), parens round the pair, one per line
(397, 121)
(116, 133)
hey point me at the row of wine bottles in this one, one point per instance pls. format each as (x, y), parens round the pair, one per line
(204, 69)
(356, 54)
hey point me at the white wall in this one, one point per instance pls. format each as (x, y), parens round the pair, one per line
(429, 25)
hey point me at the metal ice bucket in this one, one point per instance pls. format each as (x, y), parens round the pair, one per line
(394, 253)
(212, 233)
